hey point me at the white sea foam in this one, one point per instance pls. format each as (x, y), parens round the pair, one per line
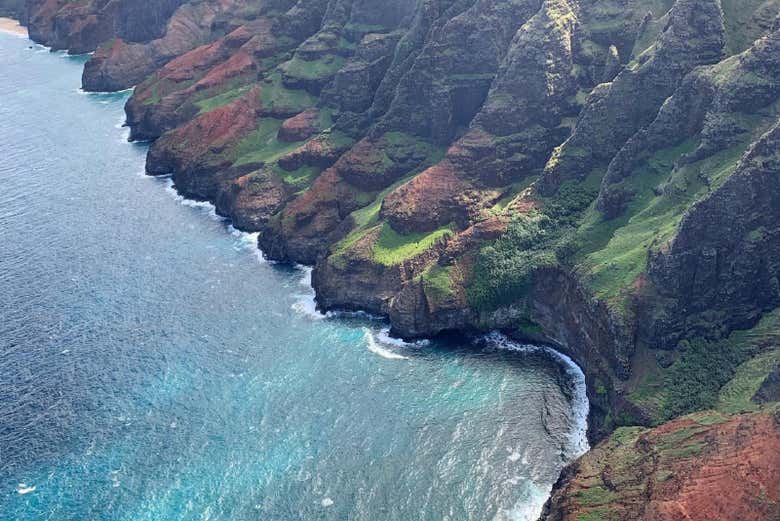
(206, 206)
(103, 93)
(376, 348)
(378, 341)
(305, 303)
(530, 508)
(24, 489)
(66, 54)
(327, 502)
(244, 240)
(578, 440)
(354, 314)
(247, 242)
(383, 335)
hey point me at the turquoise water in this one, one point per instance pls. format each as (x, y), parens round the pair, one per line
(154, 367)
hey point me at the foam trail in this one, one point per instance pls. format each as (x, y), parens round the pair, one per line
(247, 241)
(354, 314)
(307, 305)
(375, 348)
(244, 240)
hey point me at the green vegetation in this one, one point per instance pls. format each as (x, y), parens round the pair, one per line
(262, 146)
(437, 282)
(209, 104)
(276, 97)
(159, 88)
(694, 380)
(612, 254)
(724, 374)
(393, 248)
(356, 27)
(742, 26)
(541, 239)
(403, 146)
(300, 178)
(595, 496)
(503, 270)
(323, 68)
(599, 514)
(365, 220)
(502, 206)
(736, 396)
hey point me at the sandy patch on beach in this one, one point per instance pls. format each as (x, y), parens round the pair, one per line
(9, 25)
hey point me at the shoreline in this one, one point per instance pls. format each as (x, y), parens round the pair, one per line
(575, 385)
(579, 439)
(12, 26)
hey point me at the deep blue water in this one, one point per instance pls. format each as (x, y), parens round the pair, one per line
(153, 367)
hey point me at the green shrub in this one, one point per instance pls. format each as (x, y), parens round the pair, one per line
(504, 269)
(694, 381)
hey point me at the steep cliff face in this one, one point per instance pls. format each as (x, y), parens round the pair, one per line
(721, 270)
(693, 34)
(81, 27)
(597, 175)
(13, 9)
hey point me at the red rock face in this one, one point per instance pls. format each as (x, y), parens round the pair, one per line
(317, 152)
(117, 67)
(165, 100)
(517, 89)
(198, 154)
(738, 479)
(300, 127)
(215, 129)
(196, 62)
(251, 200)
(238, 64)
(428, 201)
(82, 26)
(701, 467)
(311, 222)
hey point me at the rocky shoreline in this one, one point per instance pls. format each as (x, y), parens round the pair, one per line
(602, 179)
